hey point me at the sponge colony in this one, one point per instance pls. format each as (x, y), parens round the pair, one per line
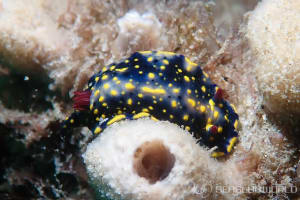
(273, 33)
(146, 159)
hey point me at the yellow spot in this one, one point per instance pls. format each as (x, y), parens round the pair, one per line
(92, 88)
(221, 105)
(179, 70)
(209, 120)
(97, 130)
(174, 103)
(119, 112)
(101, 98)
(136, 66)
(170, 85)
(205, 74)
(189, 91)
(226, 118)
(136, 59)
(162, 67)
(176, 90)
(145, 110)
(236, 123)
(192, 102)
(122, 92)
(193, 78)
(212, 108)
(157, 91)
(115, 119)
(126, 61)
(160, 99)
(190, 64)
(211, 103)
(112, 67)
(104, 69)
(216, 114)
(96, 111)
(202, 109)
(203, 88)
(166, 53)
(231, 143)
(150, 59)
(103, 116)
(145, 52)
(187, 128)
(220, 129)
(122, 69)
(113, 92)
(140, 115)
(115, 78)
(72, 121)
(175, 79)
(166, 62)
(91, 107)
(106, 86)
(185, 117)
(140, 95)
(97, 79)
(97, 119)
(129, 101)
(130, 80)
(104, 104)
(129, 86)
(118, 82)
(217, 154)
(67, 118)
(171, 116)
(164, 110)
(133, 112)
(208, 126)
(160, 74)
(233, 107)
(140, 72)
(150, 107)
(204, 79)
(153, 118)
(186, 78)
(155, 102)
(151, 75)
(97, 92)
(104, 77)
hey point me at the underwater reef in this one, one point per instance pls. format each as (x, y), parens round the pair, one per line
(50, 49)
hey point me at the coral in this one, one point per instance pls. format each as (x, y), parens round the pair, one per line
(144, 159)
(273, 33)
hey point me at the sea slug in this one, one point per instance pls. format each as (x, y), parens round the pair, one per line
(162, 86)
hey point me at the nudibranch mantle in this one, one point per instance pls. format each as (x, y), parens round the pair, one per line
(163, 86)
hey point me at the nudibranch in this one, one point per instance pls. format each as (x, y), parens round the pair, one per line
(162, 86)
